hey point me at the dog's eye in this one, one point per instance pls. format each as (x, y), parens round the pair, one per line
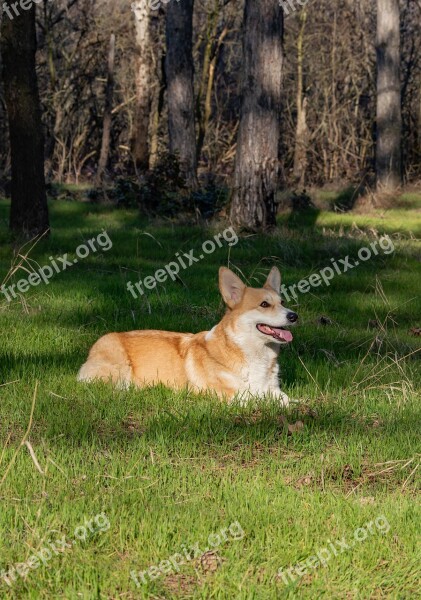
(265, 305)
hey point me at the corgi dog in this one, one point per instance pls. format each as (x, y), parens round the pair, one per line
(238, 358)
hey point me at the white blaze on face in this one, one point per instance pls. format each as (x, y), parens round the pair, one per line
(270, 325)
(248, 324)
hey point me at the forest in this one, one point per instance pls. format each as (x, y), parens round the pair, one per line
(208, 106)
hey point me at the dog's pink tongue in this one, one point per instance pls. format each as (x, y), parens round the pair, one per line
(283, 334)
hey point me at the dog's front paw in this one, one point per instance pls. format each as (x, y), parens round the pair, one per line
(283, 399)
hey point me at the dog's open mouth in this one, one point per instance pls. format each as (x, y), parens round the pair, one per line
(279, 333)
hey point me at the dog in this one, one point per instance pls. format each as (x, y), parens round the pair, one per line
(238, 358)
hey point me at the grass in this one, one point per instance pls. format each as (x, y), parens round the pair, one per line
(169, 469)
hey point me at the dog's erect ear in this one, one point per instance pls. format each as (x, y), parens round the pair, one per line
(274, 280)
(231, 287)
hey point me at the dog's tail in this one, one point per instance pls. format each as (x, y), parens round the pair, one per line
(107, 361)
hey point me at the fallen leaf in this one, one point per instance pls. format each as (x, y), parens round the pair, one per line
(304, 481)
(294, 427)
(291, 427)
(364, 500)
(324, 321)
(347, 472)
(308, 411)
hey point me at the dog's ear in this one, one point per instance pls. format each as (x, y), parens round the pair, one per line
(274, 280)
(231, 287)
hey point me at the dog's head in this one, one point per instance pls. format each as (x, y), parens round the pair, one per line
(258, 311)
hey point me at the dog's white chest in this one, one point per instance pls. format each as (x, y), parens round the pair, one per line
(259, 374)
(258, 377)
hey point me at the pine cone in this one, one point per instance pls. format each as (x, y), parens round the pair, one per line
(209, 561)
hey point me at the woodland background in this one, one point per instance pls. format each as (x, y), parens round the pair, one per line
(107, 76)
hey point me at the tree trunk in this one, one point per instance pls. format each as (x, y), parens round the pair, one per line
(107, 120)
(256, 164)
(211, 29)
(301, 131)
(389, 117)
(158, 89)
(180, 93)
(210, 58)
(140, 146)
(29, 210)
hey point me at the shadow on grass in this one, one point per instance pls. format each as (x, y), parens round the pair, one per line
(204, 428)
(304, 213)
(76, 413)
(346, 199)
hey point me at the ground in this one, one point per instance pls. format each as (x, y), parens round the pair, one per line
(103, 482)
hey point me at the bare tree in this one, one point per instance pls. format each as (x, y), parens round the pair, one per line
(29, 210)
(213, 42)
(256, 164)
(180, 92)
(107, 120)
(302, 133)
(389, 117)
(140, 145)
(329, 95)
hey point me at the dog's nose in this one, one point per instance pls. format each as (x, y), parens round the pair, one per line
(292, 317)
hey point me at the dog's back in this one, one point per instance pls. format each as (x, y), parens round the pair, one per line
(139, 357)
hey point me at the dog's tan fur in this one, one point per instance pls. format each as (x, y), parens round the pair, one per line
(233, 358)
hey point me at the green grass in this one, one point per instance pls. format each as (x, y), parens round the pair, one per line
(169, 469)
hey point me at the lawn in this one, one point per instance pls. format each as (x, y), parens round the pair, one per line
(159, 494)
